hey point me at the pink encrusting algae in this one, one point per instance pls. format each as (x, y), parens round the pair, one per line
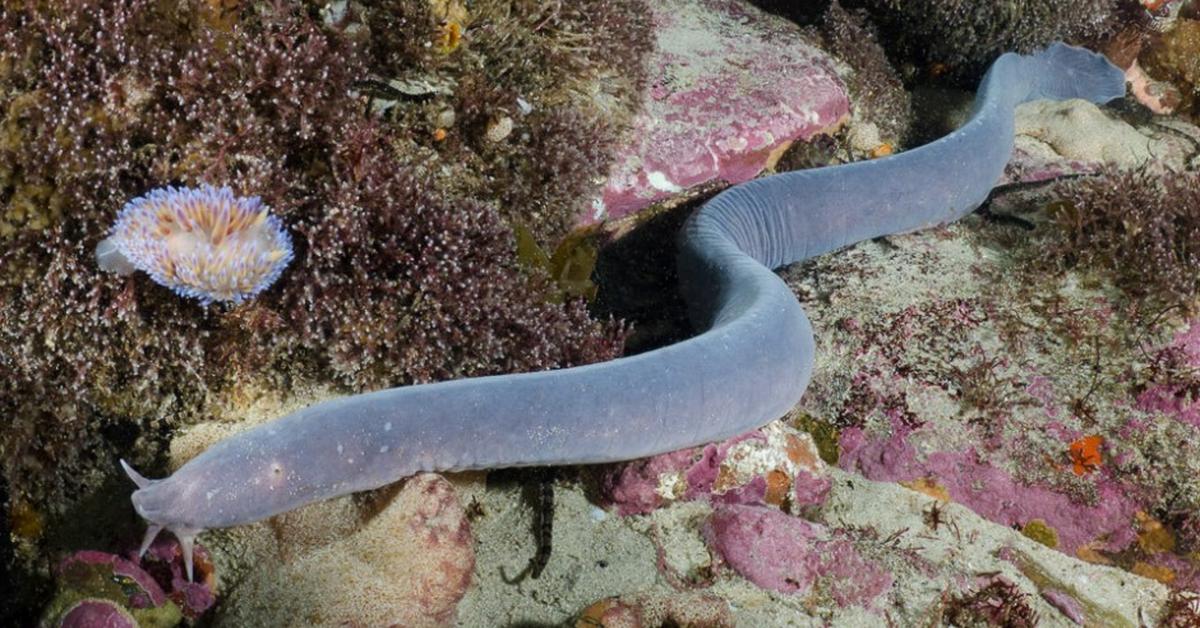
(1175, 398)
(994, 493)
(203, 243)
(784, 553)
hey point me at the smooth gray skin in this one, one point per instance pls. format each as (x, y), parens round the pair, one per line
(749, 366)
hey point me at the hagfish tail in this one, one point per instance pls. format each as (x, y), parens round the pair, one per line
(749, 365)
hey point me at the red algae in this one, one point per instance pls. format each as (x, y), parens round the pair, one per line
(783, 553)
(1174, 398)
(731, 88)
(995, 494)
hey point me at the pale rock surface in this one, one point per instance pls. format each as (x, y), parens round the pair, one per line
(1078, 129)
(407, 560)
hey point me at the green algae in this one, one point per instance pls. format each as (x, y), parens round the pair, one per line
(1042, 532)
(570, 266)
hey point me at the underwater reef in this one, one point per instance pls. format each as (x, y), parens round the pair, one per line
(426, 155)
(1173, 55)
(398, 145)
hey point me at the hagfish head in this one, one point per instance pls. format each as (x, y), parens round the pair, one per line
(234, 482)
(156, 501)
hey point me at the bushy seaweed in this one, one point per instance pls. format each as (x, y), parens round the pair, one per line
(875, 87)
(958, 38)
(997, 603)
(526, 109)
(1174, 56)
(1142, 226)
(1181, 610)
(400, 275)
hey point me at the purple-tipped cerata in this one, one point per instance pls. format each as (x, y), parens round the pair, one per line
(204, 243)
(749, 365)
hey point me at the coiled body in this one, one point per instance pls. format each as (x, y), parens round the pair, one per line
(749, 364)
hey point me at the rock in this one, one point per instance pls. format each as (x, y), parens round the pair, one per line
(784, 553)
(654, 610)
(1075, 137)
(1078, 129)
(948, 366)
(406, 560)
(101, 589)
(731, 88)
(1033, 161)
(97, 613)
(777, 465)
(995, 493)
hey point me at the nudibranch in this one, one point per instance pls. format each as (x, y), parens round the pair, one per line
(204, 243)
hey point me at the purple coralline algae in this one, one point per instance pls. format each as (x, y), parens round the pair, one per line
(731, 88)
(784, 553)
(1173, 399)
(204, 243)
(164, 560)
(101, 589)
(97, 613)
(139, 586)
(994, 493)
(1067, 605)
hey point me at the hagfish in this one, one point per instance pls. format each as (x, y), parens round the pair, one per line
(749, 365)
